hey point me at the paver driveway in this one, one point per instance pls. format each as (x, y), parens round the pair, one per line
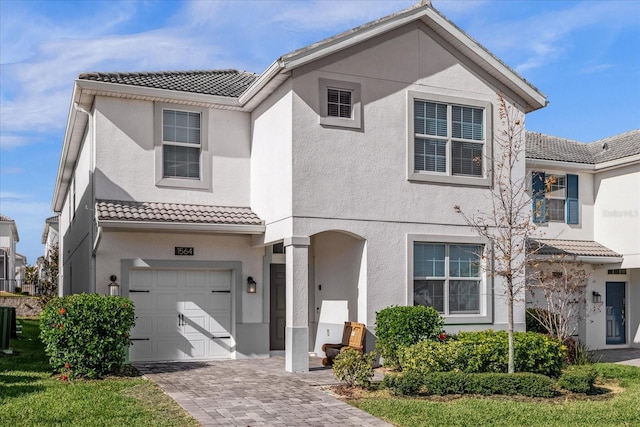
(255, 392)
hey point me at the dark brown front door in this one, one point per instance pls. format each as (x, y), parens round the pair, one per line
(278, 298)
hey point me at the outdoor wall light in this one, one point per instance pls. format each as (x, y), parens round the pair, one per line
(114, 288)
(597, 297)
(251, 285)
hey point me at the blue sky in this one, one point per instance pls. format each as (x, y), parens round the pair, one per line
(584, 55)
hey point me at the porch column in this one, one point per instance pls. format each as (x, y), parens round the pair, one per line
(297, 283)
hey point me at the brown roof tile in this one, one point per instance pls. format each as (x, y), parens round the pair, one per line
(572, 248)
(118, 210)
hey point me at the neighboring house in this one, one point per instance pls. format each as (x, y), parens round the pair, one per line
(20, 269)
(246, 213)
(8, 239)
(586, 203)
(50, 240)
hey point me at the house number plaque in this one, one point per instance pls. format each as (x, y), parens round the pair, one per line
(183, 251)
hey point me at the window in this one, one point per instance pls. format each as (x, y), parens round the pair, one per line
(448, 140)
(340, 104)
(617, 271)
(447, 277)
(181, 146)
(555, 198)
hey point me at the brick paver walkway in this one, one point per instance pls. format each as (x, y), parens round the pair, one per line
(255, 392)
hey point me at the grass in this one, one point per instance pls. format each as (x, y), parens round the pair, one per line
(30, 395)
(612, 409)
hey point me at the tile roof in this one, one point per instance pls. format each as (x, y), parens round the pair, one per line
(230, 83)
(571, 247)
(546, 147)
(118, 210)
(6, 218)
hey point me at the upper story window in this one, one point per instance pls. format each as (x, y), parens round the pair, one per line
(340, 104)
(448, 140)
(555, 198)
(181, 146)
(447, 277)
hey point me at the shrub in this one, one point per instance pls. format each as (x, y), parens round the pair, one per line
(430, 356)
(399, 326)
(582, 355)
(17, 290)
(354, 368)
(444, 383)
(485, 351)
(578, 379)
(86, 335)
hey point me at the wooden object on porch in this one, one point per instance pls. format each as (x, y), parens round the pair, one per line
(352, 337)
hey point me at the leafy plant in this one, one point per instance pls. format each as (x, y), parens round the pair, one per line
(49, 281)
(354, 368)
(400, 326)
(579, 379)
(86, 335)
(485, 351)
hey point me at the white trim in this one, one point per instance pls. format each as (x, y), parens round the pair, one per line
(172, 226)
(447, 177)
(353, 122)
(118, 89)
(486, 286)
(583, 167)
(204, 181)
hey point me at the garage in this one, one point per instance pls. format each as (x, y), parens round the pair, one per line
(181, 315)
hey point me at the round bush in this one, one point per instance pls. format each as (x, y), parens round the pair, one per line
(86, 335)
(401, 326)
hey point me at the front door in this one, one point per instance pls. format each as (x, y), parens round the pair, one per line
(277, 305)
(616, 331)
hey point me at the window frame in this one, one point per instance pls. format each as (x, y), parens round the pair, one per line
(352, 122)
(485, 308)
(447, 177)
(204, 180)
(542, 193)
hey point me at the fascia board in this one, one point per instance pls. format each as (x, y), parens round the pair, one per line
(613, 164)
(60, 188)
(585, 259)
(556, 164)
(186, 227)
(539, 100)
(260, 82)
(164, 94)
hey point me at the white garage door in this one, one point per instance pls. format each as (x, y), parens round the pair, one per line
(180, 315)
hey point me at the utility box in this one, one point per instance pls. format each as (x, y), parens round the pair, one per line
(6, 322)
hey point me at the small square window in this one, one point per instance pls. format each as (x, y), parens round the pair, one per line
(340, 104)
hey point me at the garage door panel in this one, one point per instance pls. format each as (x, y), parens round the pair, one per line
(204, 314)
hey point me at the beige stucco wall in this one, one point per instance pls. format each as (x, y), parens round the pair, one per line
(617, 212)
(126, 155)
(117, 246)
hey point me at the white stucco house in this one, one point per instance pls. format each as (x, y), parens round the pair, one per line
(247, 214)
(8, 239)
(592, 214)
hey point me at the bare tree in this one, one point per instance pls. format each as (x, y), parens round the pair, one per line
(507, 225)
(558, 287)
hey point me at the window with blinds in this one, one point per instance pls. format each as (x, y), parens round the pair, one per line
(339, 103)
(449, 138)
(447, 277)
(181, 144)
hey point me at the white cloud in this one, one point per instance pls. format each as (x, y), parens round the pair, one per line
(11, 171)
(597, 68)
(542, 38)
(11, 141)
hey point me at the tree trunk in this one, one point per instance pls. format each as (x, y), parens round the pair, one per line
(511, 367)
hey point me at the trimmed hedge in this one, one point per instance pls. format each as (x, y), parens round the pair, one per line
(86, 335)
(401, 326)
(443, 383)
(579, 379)
(485, 351)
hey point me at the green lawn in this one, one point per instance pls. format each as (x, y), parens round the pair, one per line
(619, 409)
(31, 396)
